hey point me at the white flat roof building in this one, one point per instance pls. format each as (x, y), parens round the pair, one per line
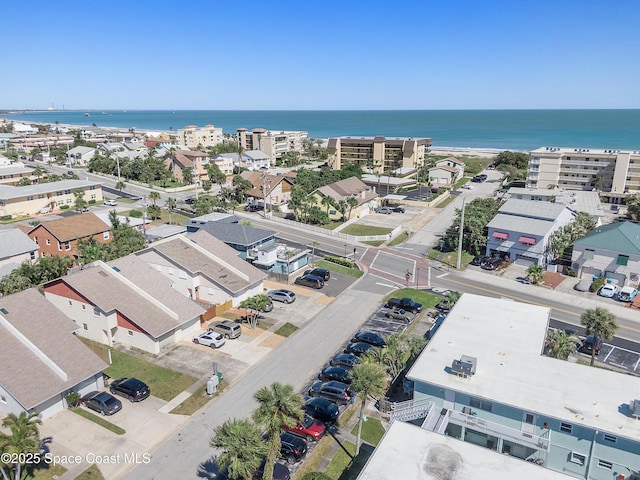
(410, 452)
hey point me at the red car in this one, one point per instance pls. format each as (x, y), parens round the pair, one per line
(309, 428)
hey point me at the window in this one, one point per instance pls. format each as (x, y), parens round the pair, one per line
(577, 458)
(481, 404)
(96, 312)
(48, 241)
(566, 427)
(528, 418)
(84, 307)
(210, 291)
(610, 438)
(589, 254)
(59, 246)
(622, 260)
(35, 239)
(67, 246)
(85, 326)
(130, 333)
(105, 235)
(182, 274)
(3, 399)
(70, 303)
(606, 465)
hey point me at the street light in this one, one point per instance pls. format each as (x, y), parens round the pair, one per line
(345, 250)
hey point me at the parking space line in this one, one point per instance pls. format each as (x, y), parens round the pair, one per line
(608, 354)
(635, 367)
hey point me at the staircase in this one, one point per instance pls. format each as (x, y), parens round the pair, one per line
(410, 410)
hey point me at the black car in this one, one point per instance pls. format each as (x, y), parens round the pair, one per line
(190, 201)
(358, 348)
(310, 281)
(588, 345)
(322, 409)
(102, 402)
(345, 360)
(319, 272)
(493, 264)
(478, 260)
(335, 373)
(130, 388)
(292, 447)
(398, 209)
(338, 392)
(280, 472)
(369, 337)
(404, 303)
(253, 208)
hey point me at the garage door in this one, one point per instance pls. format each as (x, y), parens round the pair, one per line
(525, 260)
(589, 272)
(617, 277)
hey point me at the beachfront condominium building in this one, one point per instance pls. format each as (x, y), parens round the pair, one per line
(194, 137)
(377, 154)
(483, 379)
(615, 173)
(272, 142)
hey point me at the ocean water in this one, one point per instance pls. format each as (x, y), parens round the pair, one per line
(502, 129)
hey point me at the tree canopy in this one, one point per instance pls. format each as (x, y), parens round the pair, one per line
(599, 322)
(478, 213)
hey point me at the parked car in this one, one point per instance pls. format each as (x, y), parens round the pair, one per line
(280, 472)
(102, 402)
(338, 392)
(292, 448)
(608, 290)
(319, 272)
(627, 294)
(478, 260)
(479, 178)
(338, 374)
(209, 339)
(282, 295)
(358, 348)
(309, 428)
(467, 186)
(130, 388)
(369, 337)
(590, 343)
(345, 360)
(404, 303)
(310, 281)
(384, 210)
(399, 314)
(493, 264)
(583, 285)
(111, 203)
(227, 328)
(190, 201)
(398, 209)
(268, 307)
(322, 409)
(253, 208)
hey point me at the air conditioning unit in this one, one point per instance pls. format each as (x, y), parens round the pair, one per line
(465, 367)
(634, 405)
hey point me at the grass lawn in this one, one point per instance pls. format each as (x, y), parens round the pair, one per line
(362, 230)
(428, 300)
(399, 239)
(173, 217)
(343, 467)
(46, 472)
(334, 267)
(332, 225)
(198, 400)
(99, 420)
(91, 473)
(123, 199)
(372, 431)
(446, 201)
(164, 383)
(450, 258)
(286, 329)
(375, 243)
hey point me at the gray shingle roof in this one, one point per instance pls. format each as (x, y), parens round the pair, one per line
(513, 223)
(529, 209)
(15, 242)
(236, 233)
(622, 237)
(7, 192)
(47, 334)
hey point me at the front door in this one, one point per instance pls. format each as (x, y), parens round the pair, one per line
(528, 422)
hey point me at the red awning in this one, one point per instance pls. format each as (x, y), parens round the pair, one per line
(500, 235)
(527, 240)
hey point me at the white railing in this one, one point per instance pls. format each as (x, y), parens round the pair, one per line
(410, 410)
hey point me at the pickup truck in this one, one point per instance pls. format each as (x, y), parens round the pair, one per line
(404, 303)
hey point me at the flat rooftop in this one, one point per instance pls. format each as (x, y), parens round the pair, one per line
(577, 200)
(582, 151)
(410, 452)
(507, 338)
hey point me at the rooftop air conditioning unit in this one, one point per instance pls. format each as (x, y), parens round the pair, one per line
(634, 405)
(465, 367)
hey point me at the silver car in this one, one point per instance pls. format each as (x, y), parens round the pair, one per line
(282, 295)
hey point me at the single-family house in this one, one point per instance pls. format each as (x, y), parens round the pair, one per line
(204, 269)
(15, 248)
(483, 379)
(60, 237)
(275, 189)
(446, 171)
(126, 301)
(612, 251)
(352, 187)
(79, 156)
(521, 230)
(577, 200)
(42, 360)
(253, 160)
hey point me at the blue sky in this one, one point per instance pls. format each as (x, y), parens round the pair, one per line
(297, 55)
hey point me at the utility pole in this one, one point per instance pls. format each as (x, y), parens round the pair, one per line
(460, 236)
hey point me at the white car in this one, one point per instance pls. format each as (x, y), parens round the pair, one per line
(467, 186)
(608, 290)
(111, 203)
(209, 339)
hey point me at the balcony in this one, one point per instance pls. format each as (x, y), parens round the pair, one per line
(411, 410)
(500, 431)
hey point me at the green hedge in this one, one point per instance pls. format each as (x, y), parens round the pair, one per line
(92, 201)
(64, 207)
(597, 284)
(340, 261)
(135, 214)
(5, 218)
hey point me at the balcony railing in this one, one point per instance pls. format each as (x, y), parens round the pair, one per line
(500, 431)
(410, 410)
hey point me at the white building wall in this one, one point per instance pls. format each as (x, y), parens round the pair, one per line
(8, 404)
(605, 261)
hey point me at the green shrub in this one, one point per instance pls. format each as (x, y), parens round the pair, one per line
(64, 207)
(5, 218)
(73, 399)
(92, 201)
(135, 214)
(572, 273)
(340, 261)
(597, 284)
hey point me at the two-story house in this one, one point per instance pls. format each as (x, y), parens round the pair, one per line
(446, 171)
(269, 189)
(179, 160)
(15, 248)
(352, 187)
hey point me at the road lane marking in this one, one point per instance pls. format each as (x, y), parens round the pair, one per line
(610, 352)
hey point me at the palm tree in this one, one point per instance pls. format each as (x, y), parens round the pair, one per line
(170, 203)
(327, 201)
(154, 196)
(535, 273)
(278, 405)
(559, 344)
(24, 439)
(352, 202)
(242, 447)
(38, 172)
(369, 380)
(255, 304)
(599, 322)
(121, 185)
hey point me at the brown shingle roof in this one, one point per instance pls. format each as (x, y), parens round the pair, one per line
(73, 227)
(349, 187)
(26, 373)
